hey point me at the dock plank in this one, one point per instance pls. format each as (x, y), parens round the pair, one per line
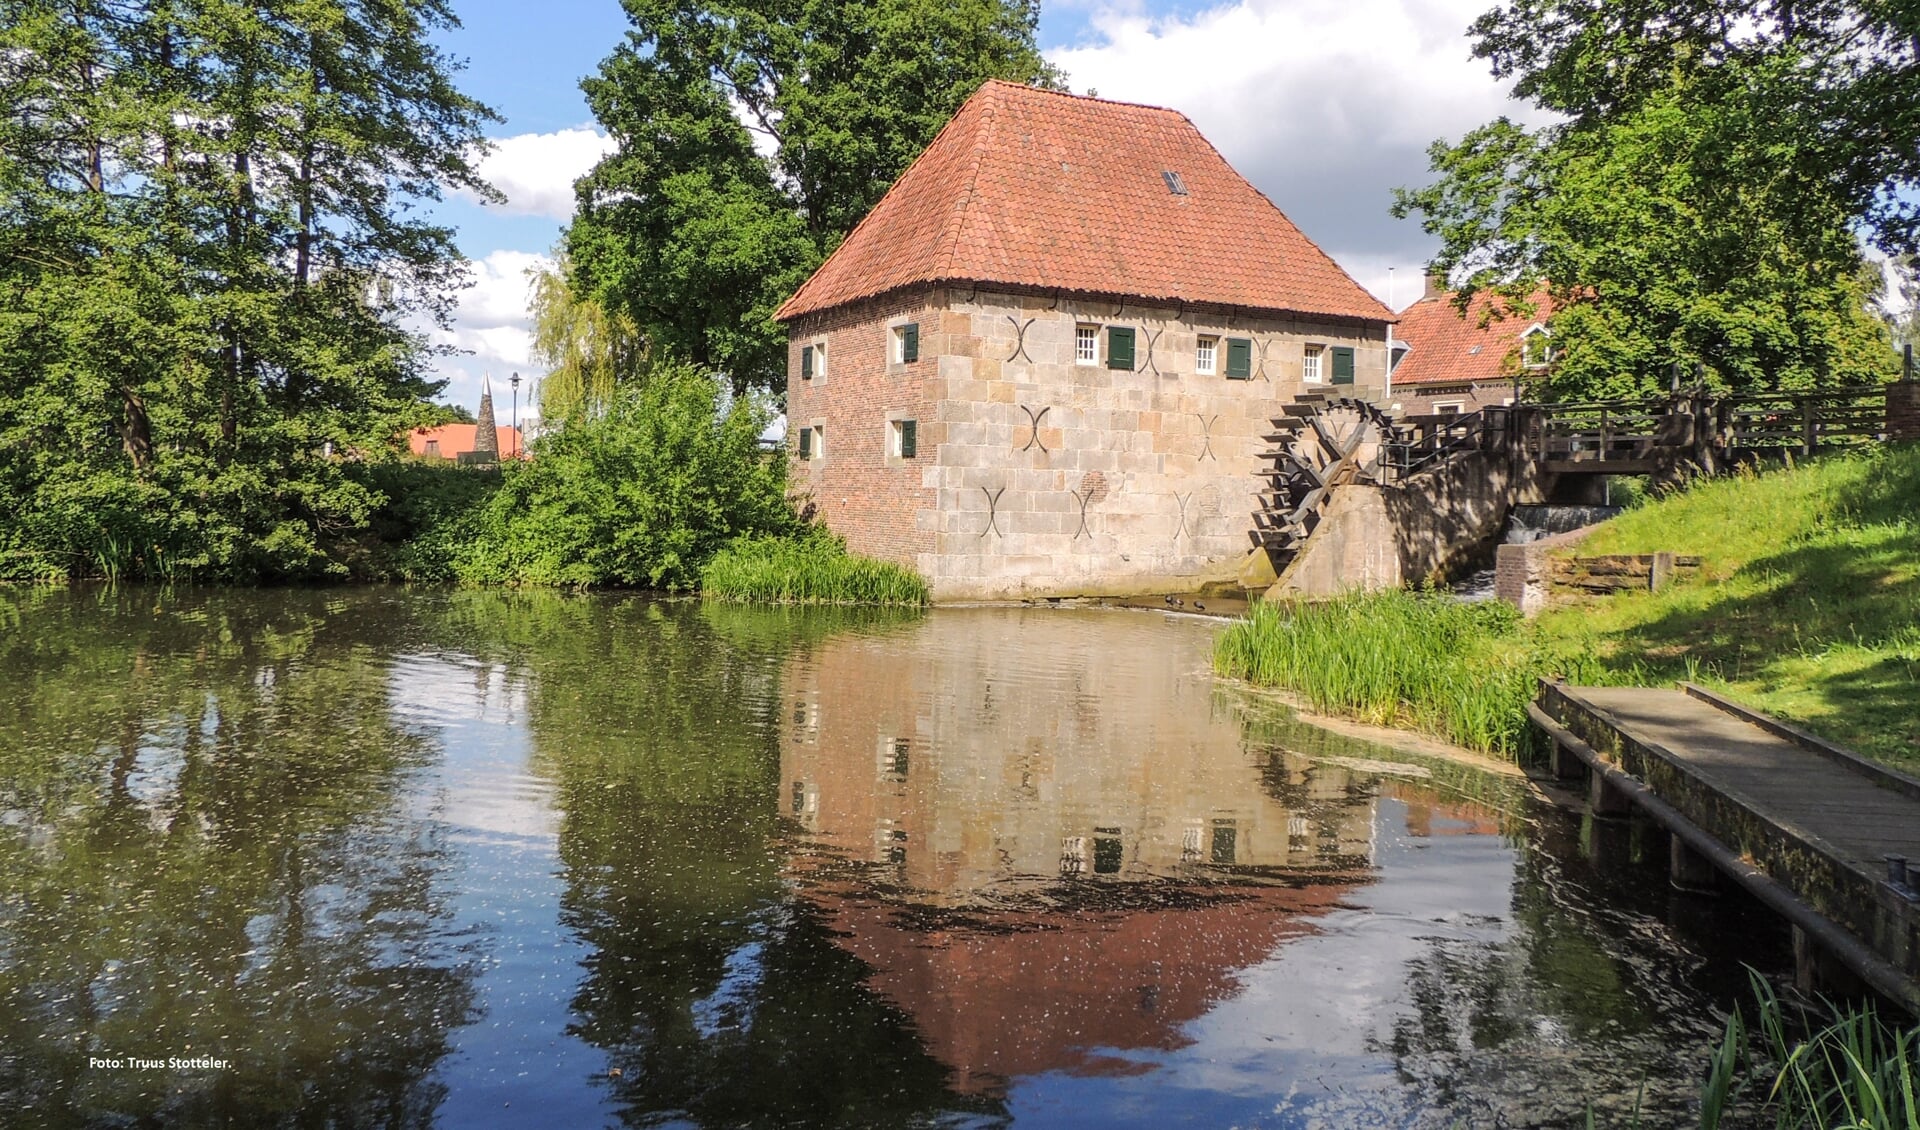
(1859, 818)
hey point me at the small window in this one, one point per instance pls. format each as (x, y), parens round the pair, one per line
(906, 343)
(1536, 351)
(813, 361)
(806, 443)
(819, 442)
(433, 447)
(1203, 354)
(1397, 354)
(1086, 345)
(903, 439)
(1239, 358)
(1109, 851)
(1119, 348)
(1226, 839)
(1342, 364)
(1310, 367)
(1449, 408)
(1174, 184)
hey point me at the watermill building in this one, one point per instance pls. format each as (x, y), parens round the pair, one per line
(1044, 363)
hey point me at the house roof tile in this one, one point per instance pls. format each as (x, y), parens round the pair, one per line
(1047, 191)
(1446, 347)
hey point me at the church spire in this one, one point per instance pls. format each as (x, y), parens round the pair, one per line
(486, 436)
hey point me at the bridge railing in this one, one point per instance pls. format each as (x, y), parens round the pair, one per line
(1801, 421)
(1420, 442)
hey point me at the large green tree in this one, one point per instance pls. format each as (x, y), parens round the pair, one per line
(1705, 215)
(209, 246)
(752, 136)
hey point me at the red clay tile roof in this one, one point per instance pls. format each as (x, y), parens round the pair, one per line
(1447, 348)
(1048, 191)
(453, 440)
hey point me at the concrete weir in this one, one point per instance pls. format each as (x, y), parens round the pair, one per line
(1814, 831)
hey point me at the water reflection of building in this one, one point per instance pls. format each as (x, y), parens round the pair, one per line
(973, 758)
(1055, 847)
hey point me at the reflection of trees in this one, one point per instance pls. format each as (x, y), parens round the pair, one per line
(202, 852)
(713, 992)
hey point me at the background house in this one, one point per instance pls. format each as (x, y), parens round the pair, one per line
(480, 442)
(1045, 362)
(1449, 362)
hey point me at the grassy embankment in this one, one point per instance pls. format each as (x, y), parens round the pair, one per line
(1807, 606)
(816, 569)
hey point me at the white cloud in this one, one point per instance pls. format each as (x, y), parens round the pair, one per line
(493, 328)
(536, 171)
(1325, 105)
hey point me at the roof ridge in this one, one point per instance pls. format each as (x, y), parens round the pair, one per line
(1021, 86)
(957, 223)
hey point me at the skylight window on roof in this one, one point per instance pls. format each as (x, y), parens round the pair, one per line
(1174, 184)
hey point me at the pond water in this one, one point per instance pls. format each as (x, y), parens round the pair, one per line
(491, 859)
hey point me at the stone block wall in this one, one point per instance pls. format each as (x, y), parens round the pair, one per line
(1041, 476)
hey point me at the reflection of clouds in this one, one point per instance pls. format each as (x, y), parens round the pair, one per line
(481, 714)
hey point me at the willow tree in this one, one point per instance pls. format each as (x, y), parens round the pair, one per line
(210, 250)
(752, 137)
(589, 351)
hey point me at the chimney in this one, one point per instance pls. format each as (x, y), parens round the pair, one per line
(1436, 285)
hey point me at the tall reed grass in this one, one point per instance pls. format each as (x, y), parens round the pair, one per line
(1418, 660)
(815, 569)
(1855, 1072)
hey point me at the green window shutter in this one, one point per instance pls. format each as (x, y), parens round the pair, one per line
(806, 443)
(910, 343)
(1119, 348)
(806, 362)
(1342, 364)
(909, 438)
(1239, 358)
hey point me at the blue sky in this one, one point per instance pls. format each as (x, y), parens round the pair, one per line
(1325, 105)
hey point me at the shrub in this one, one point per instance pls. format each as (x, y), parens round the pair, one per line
(640, 495)
(814, 569)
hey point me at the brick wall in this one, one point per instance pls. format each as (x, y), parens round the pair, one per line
(1903, 411)
(880, 504)
(1424, 400)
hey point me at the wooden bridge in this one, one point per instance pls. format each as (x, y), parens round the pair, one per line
(1321, 444)
(1815, 832)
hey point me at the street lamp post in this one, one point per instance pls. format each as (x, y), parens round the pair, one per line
(515, 382)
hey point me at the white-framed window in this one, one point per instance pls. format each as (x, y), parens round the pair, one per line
(1313, 364)
(813, 442)
(1086, 345)
(1536, 347)
(905, 347)
(1205, 350)
(1449, 407)
(813, 361)
(903, 439)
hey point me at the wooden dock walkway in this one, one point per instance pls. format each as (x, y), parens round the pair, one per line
(1815, 831)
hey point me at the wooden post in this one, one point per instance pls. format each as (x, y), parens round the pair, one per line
(1605, 799)
(1606, 434)
(1662, 574)
(1808, 426)
(1562, 763)
(1687, 868)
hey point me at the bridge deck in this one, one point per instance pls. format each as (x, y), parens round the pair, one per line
(1773, 806)
(1861, 819)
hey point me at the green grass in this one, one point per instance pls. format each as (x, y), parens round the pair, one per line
(809, 570)
(1421, 661)
(1807, 606)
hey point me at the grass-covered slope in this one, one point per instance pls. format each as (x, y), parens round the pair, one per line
(1807, 606)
